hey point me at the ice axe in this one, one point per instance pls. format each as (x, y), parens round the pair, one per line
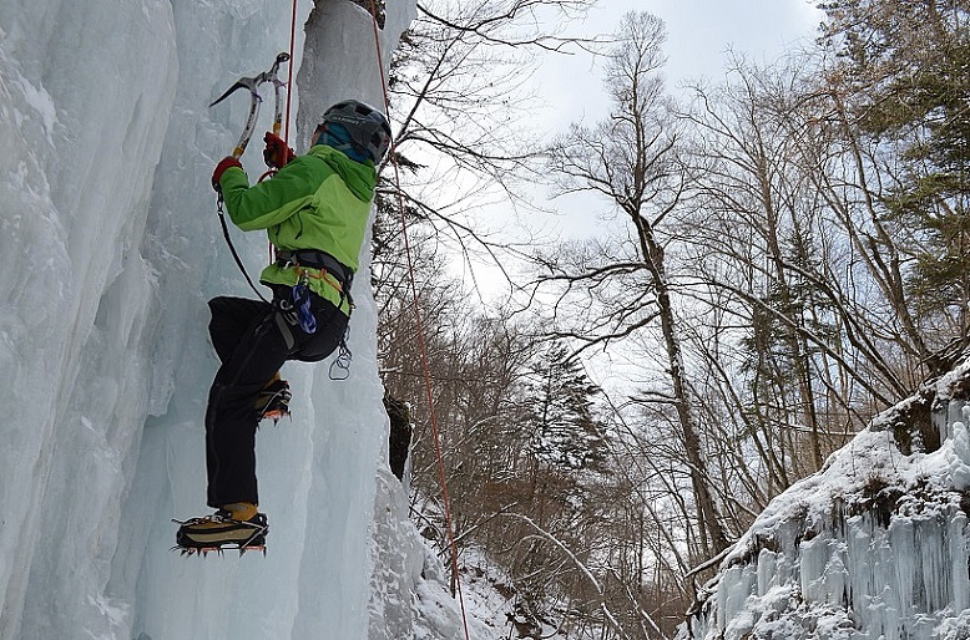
(252, 85)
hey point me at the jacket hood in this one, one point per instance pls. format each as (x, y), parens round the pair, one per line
(359, 177)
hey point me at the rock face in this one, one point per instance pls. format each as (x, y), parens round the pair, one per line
(876, 546)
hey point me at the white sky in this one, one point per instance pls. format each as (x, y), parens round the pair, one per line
(700, 36)
(700, 33)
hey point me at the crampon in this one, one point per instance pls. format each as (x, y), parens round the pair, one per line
(273, 402)
(205, 551)
(219, 532)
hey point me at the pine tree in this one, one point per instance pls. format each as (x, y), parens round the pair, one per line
(906, 64)
(564, 431)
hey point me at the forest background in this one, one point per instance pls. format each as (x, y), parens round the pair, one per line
(773, 256)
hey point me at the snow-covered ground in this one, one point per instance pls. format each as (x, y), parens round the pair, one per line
(110, 248)
(491, 602)
(876, 546)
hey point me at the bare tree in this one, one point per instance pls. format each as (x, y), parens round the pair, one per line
(630, 160)
(459, 96)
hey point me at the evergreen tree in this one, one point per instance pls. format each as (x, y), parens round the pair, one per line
(564, 431)
(907, 68)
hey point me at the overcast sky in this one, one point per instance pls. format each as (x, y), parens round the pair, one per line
(700, 36)
(700, 33)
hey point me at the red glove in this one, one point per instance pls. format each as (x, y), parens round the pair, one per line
(276, 154)
(224, 164)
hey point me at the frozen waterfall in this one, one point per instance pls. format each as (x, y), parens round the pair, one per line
(111, 248)
(876, 546)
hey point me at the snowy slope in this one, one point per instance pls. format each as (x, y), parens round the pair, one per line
(110, 249)
(876, 546)
(410, 597)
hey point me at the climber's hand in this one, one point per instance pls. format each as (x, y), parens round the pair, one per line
(224, 164)
(276, 154)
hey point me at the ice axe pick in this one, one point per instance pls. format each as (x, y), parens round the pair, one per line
(252, 85)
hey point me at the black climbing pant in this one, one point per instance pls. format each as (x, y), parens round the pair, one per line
(253, 339)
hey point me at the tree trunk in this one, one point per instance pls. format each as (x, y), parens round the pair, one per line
(654, 258)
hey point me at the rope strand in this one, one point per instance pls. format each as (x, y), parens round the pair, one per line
(289, 75)
(422, 345)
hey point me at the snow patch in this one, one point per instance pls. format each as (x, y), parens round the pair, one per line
(960, 464)
(41, 102)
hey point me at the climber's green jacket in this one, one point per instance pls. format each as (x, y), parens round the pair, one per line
(319, 201)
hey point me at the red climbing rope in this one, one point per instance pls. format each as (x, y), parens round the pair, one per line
(289, 77)
(422, 345)
(289, 97)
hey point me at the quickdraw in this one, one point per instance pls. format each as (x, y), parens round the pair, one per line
(252, 85)
(300, 293)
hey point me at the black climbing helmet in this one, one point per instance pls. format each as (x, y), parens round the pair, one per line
(369, 130)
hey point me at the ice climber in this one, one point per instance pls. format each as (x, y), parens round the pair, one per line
(315, 210)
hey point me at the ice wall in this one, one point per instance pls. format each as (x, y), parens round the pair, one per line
(409, 586)
(110, 248)
(876, 546)
(82, 121)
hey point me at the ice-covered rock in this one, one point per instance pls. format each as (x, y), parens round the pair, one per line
(409, 587)
(876, 546)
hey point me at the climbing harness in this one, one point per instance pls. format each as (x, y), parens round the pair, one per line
(323, 266)
(285, 317)
(252, 85)
(320, 265)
